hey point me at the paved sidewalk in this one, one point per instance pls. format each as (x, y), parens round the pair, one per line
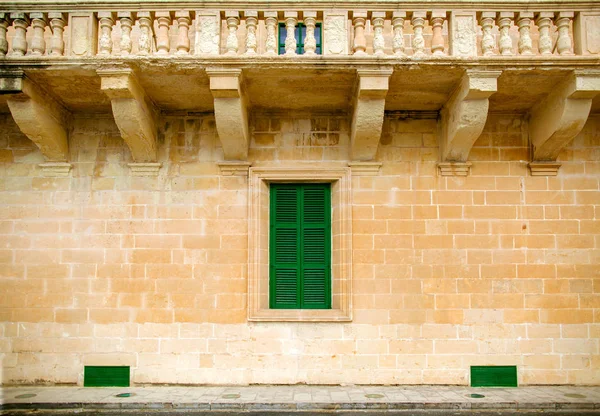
(291, 399)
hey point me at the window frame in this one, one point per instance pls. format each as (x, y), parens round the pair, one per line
(259, 182)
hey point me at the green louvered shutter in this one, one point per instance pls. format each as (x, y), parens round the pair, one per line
(316, 247)
(300, 240)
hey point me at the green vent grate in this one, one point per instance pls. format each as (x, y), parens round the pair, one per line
(494, 376)
(106, 376)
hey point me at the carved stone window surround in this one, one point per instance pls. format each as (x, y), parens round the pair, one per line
(258, 243)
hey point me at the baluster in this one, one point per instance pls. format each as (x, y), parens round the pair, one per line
(126, 23)
(398, 24)
(360, 41)
(377, 20)
(19, 43)
(418, 43)
(310, 43)
(505, 42)
(291, 20)
(106, 23)
(544, 21)
(183, 40)
(233, 20)
(163, 43)
(525, 42)
(487, 40)
(38, 43)
(3, 29)
(271, 41)
(57, 42)
(563, 43)
(145, 44)
(437, 40)
(251, 23)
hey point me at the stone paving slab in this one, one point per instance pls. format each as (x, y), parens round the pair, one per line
(306, 399)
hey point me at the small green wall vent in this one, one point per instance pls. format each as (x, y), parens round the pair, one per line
(494, 376)
(106, 376)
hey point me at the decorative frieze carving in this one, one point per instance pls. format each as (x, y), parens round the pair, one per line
(586, 30)
(208, 32)
(463, 34)
(335, 33)
(83, 34)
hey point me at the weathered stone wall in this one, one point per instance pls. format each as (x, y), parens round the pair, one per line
(102, 268)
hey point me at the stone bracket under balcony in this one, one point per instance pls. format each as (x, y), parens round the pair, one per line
(557, 119)
(134, 114)
(368, 112)
(231, 113)
(40, 117)
(465, 113)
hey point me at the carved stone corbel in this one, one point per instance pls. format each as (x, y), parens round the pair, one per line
(367, 116)
(557, 119)
(231, 115)
(134, 114)
(463, 117)
(39, 116)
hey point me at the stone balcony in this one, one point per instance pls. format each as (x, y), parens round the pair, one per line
(439, 59)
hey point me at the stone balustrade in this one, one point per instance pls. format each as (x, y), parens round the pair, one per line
(416, 34)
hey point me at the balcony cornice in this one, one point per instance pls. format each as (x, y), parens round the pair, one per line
(497, 5)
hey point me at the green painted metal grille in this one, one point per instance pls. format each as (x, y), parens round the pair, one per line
(300, 246)
(494, 376)
(106, 376)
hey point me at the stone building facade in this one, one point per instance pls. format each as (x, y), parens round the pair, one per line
(139, 148)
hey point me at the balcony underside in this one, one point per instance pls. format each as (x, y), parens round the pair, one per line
(280, 85)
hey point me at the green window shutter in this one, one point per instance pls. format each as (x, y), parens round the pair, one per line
(300, 246)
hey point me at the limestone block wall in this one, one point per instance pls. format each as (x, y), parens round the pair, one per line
(105, 268)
